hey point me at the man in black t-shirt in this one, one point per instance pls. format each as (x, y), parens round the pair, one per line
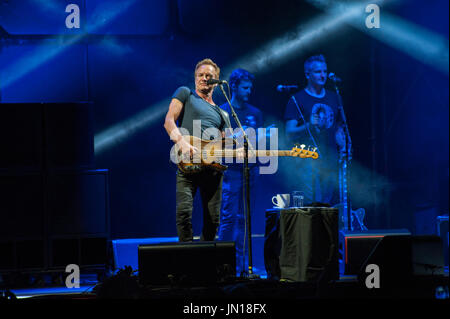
(312, 118)
(195, 113)
(232, 218)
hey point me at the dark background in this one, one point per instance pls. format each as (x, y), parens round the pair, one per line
(129, 57)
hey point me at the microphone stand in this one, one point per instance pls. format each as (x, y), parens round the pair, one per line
(312, 139)
(347, 150)
(247, 187)
(306, 124)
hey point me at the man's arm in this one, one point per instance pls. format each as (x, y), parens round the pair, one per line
(293, 129)
(172, 130)
(340, 142)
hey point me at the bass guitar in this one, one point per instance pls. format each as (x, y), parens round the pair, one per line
(212, 153)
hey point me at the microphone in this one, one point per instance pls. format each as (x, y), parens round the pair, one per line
(333, 77)
(215, 81)
(286, 88)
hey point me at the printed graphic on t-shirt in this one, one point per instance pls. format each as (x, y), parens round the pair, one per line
(324, 114)
(250, 120)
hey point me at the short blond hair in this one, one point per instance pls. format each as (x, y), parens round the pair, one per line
(208, 62)
(309, 62)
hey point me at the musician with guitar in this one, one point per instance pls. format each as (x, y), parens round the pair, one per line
(195, 112)
(197, 126)
(312, 115)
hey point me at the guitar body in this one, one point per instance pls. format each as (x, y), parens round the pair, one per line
(206, 159)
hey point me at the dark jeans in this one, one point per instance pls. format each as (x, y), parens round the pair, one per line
(210, 185)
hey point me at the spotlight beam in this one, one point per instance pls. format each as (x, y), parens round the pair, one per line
(277, 51)
(120, 132)
(418, 42)
(16, 70)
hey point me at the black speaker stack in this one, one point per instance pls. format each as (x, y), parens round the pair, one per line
(54, 205)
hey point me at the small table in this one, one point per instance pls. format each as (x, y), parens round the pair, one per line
(301, 244)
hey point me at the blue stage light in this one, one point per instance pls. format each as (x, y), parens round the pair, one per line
(421, 44)
(15, 70)
(119, 132)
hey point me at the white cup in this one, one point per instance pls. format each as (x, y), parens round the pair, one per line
(281, 200)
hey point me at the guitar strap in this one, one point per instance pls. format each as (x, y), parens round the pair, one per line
(224, 115)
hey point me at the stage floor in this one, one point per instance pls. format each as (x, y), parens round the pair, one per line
(87, 286)
(125, 254)
(346, 287)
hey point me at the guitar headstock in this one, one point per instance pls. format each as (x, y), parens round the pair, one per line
(300, 151)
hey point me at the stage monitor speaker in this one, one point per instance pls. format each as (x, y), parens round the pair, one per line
(193, 263)
(392, 255)
(355, 247)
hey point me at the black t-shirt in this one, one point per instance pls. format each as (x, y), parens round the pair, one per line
(197, 109)
(248, 116)
(326, 108)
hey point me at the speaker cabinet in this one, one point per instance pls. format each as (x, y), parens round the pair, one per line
(83, 251)
(78, 203)
(37, 136)
(356, 247)
(21, 205)
(194, 263)
(21, 136)
(54, 208)
(54, 219)
(69, 135)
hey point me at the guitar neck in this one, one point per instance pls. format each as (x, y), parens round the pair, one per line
(258, 153)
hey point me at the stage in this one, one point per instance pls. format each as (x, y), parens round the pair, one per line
(347, 287)
(122, 282)
(149, 149)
